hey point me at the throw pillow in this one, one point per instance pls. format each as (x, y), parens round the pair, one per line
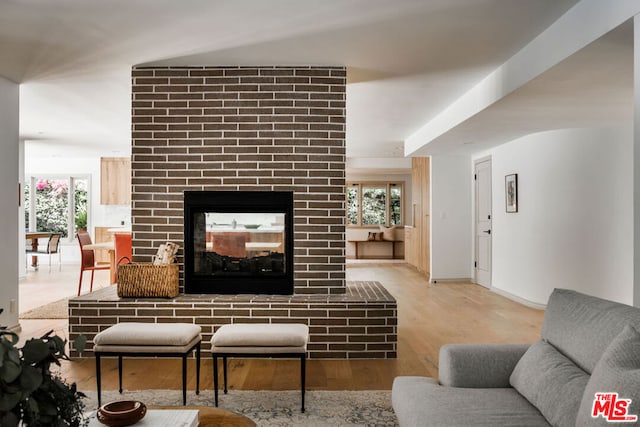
(617, 371)
(371, 236)
(389, 232)
(550, 382)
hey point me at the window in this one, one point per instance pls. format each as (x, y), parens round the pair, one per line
(374, 204)
(57, 205)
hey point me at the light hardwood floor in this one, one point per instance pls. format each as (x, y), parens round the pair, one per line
(428, 317)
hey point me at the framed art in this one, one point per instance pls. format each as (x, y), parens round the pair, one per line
(511, 192)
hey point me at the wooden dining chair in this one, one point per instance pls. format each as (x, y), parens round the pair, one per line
(53, 247)
(87, 261)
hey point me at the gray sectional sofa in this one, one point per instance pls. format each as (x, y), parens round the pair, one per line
(588, 346)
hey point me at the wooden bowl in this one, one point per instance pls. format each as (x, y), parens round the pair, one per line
(121, 413)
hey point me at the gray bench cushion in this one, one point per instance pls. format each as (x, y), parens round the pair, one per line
(244, 338)
(131, 337)
(420, 401)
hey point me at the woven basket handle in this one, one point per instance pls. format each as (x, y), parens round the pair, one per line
(124, 258)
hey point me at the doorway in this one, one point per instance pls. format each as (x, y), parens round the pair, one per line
(483, 238)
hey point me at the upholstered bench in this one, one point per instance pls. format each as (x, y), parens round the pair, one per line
(259, 340)
(149, 339)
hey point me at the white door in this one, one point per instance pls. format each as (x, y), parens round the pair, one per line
(483, 223)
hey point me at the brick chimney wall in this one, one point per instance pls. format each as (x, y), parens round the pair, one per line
(240, 129)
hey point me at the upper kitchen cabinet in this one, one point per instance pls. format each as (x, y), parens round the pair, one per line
(115, 181)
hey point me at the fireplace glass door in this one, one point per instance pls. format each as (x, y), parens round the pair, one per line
(238, 242)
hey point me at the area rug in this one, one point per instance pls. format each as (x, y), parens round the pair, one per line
(55, 310)
(278, 408)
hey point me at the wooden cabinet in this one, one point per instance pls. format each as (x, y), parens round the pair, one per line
(115, 181)
(417, 247)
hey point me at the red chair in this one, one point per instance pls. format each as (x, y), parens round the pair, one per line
(122, 243)
(87, 259)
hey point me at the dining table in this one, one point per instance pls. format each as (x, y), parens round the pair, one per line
(34, 236)
(110, 247)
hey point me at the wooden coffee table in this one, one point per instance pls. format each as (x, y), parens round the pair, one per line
(210, 416)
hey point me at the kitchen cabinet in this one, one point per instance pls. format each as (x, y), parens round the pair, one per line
(115, 181)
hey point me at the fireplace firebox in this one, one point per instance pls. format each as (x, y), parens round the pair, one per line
(238, 242)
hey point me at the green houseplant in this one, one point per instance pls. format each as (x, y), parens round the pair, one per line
(29, 391)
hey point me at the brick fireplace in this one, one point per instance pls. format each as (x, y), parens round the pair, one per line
(248, 129)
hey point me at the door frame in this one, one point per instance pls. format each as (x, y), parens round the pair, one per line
(475, 209)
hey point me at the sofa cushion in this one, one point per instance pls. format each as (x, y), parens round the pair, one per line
(420, 401)
(478, 365)
(618, 371)
(581, 326)
(551, 382)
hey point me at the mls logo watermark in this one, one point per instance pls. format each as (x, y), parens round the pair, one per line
(612, 408)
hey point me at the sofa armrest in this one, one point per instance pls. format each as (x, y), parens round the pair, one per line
(478, 365)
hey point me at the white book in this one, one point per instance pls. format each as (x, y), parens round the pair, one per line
(161, 418)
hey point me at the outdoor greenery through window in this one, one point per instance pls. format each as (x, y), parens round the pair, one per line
(374, 203)
(54, 208)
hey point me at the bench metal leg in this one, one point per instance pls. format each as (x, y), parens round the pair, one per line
(120, 374)
(98, 374)
(184, 379)
(303, 363)
(215, 379)
(224, 370)
(198, 369)
(303, 373)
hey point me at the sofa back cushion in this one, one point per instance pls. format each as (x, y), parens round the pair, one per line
(550, 382)
(618, 371)
(581, 327)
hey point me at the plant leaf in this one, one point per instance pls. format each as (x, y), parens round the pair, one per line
(9, 420)
(35, 351)
(30, 379)
(9, 400)
(13, 355)
(57, 344)
(10, 371)
(10, 337)
(34, 408)
(80, 343)
(3, 351)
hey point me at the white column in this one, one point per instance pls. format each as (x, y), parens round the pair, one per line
(9, 142)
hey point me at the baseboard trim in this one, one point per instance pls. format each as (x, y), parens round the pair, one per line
(435, 280)
(518, 299)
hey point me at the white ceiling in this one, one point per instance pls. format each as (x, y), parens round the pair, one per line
(406, 61)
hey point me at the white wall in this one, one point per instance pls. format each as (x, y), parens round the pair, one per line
(9, 159)
(451, 220)
(573, 228)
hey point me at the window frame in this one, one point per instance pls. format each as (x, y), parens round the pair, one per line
(30, 208)
(388, 185)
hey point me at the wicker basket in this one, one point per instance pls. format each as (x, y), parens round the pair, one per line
(147, 280)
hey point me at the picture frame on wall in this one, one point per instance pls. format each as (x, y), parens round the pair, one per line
(511, 192)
